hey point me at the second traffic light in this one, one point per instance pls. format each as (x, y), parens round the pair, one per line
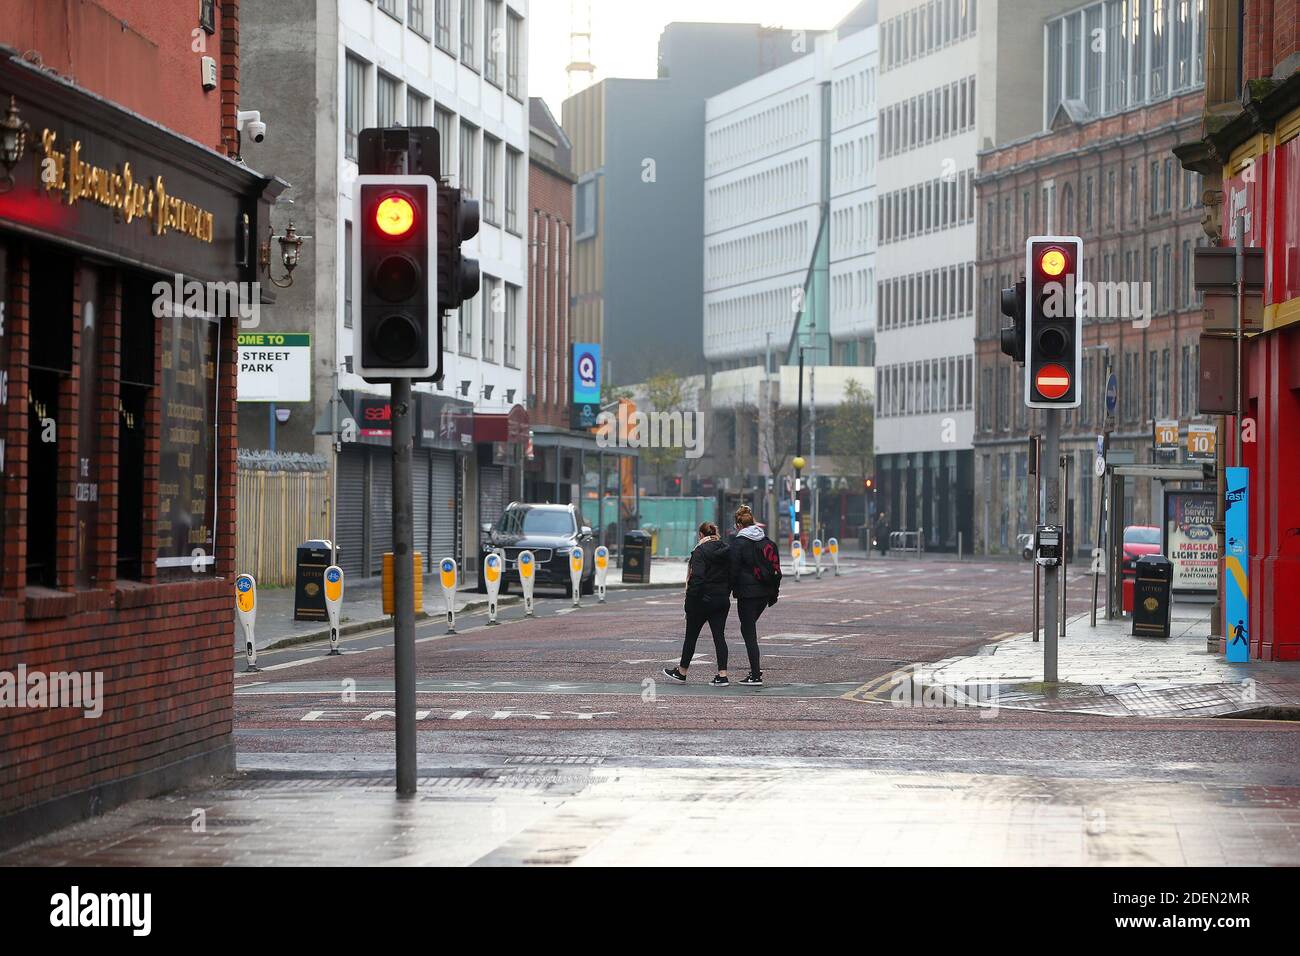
(1013, 335)
(1053, 342)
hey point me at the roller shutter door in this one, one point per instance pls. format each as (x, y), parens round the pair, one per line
(352, 510)
(491, 493)
(381, 508)
(443, 508)
(420, 504)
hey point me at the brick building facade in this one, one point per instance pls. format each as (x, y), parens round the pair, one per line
(117, 426)
(1115, 183)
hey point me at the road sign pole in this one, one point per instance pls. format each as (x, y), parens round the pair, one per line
(403, 587)
(1035, 462)
(1051, 506)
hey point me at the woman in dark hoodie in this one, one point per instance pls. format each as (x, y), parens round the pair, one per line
(708, 588)
(756, 582)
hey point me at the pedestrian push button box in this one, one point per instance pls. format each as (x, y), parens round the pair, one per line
(1047, 552)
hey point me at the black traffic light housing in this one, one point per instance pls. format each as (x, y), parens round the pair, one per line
(394, 286)
(1053, 321)
(458, 276)
(1013, 335)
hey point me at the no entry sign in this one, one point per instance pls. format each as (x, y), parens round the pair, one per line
(1052, 381)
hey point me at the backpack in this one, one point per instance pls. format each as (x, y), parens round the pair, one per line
(767, 565)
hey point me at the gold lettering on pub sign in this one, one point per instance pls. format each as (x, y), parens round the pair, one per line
(65, 172)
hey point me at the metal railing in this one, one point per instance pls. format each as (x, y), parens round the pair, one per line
(908, 541)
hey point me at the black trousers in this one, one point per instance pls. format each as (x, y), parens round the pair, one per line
(749, 610)
(714, 613)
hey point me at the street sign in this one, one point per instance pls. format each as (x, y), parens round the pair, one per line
(1201, 443)
(1166, 435)
(1112, 394)
(274, 366)
(1052, 381)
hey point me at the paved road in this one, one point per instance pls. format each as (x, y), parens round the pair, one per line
(553, 740)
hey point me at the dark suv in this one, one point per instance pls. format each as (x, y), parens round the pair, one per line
(550, 532)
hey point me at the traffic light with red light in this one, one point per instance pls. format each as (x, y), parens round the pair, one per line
(458, 277)
(1053, 342)
(394, 286)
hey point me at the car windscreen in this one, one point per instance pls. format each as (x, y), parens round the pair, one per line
(1142, 535)
(548, 522)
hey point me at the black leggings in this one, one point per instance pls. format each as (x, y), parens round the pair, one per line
(696, 616)
(749, 610)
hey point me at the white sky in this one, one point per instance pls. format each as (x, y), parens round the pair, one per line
(625, 33)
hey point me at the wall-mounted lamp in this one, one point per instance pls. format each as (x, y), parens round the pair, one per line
(510, 396)
(282, 414)
(290, 253)
(13, 142)
(487, 392)
(464, 388)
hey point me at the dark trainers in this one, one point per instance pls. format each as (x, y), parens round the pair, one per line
(675, 674)
(719, 681)
(753, 680)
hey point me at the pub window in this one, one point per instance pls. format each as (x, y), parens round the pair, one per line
(50, 322)
(137, 380)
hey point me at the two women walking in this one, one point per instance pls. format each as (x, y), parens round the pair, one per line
(750, 569)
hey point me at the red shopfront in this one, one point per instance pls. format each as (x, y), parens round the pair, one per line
(1262, 182)
(117, 450)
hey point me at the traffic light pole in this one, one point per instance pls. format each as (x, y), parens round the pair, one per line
(403, 586)
(1051, 506)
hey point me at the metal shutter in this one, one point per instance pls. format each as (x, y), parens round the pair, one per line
(443, 507)
(352, 510)
(381, 507)
(420, 504)
(491, 493)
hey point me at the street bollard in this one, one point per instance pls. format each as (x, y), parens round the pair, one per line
(447, 572)
(334, 603)
(833, 546)
(527, 578)
(602, 569)
(817, 556)
(492, 577)
(796, 559)
(246, 611)
(575, 575)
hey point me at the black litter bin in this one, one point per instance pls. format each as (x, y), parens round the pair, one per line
(637, 550)
(309, 581)
(1154, 577)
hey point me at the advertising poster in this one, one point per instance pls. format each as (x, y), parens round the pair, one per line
(1236, 566)
(1189, 540)
(586, 384)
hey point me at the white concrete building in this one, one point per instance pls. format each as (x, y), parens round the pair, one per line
(925, 265)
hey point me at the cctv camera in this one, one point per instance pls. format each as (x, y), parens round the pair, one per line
(250, 123)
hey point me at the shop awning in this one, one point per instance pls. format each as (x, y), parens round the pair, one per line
(509, 427)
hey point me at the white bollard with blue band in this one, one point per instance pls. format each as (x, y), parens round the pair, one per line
(492, 565)
(833, 546)
(334, 603)
(447, 574)
(575, 575)
(527, 578)
(246, 614)
(817, 556)
(602, 571)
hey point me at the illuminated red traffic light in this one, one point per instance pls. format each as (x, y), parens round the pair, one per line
(395, 216)
(1052, 262)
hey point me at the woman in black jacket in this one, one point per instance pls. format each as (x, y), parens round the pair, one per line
(755, 581)
(708, 588)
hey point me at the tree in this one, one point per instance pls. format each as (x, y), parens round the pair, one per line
(666, 392)
(852, 430)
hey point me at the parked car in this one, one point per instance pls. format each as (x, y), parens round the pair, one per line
(1139, 540)
(1026, 544)
(550, 532)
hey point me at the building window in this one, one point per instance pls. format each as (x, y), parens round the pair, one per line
(468, 21)
(442, 25)
(387, 95)
(417, 17)
(137, 349)
(445, 123)
(417, 108)
(347, 274)
(354, 105)
(491, 170)
(390, 7)
(468, 158)
(514, 166)
(510, 331)
(492, 306)
(493, 41)
(514, 53)
(467, 327)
